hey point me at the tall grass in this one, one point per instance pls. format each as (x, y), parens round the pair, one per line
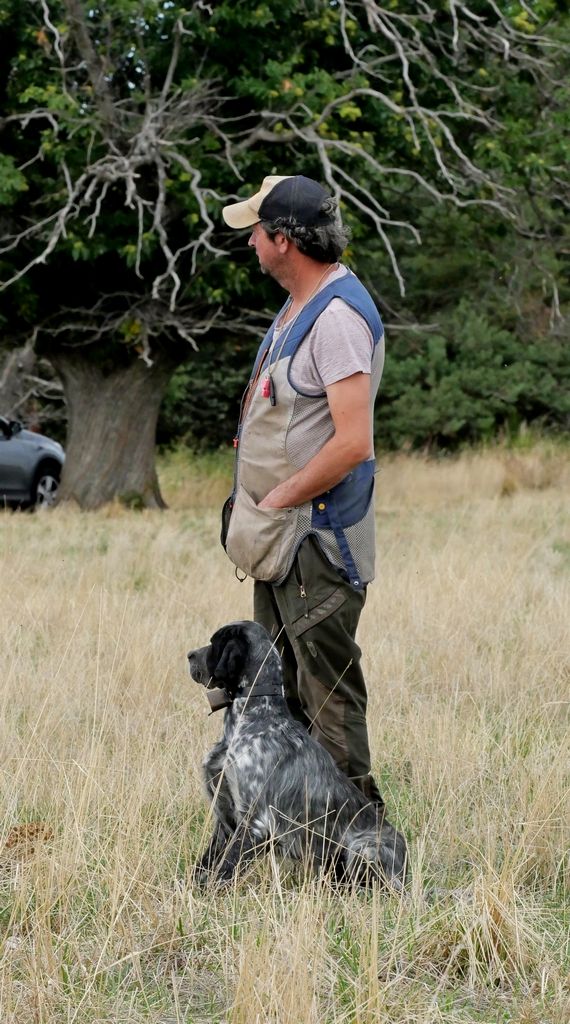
(467, 653)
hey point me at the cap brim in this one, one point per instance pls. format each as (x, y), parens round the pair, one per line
(240, 215)
(246, 213)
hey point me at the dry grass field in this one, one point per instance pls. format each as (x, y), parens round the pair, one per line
(467, 651)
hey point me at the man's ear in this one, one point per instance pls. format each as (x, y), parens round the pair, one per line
(226, 658)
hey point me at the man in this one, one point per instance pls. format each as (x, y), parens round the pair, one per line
(302, 516)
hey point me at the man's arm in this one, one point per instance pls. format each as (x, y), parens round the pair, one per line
(349, 404)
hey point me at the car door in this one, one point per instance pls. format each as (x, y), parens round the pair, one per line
(15, 468)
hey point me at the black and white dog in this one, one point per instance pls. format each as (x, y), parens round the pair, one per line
(270, 784)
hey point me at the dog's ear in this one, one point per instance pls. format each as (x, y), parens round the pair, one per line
(227, 656)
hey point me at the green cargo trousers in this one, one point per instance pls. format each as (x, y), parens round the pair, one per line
(314, 615)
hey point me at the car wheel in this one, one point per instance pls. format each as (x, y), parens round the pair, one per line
(46, 486)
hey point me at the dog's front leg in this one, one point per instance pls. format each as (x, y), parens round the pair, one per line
(243, 846)
(213, 853)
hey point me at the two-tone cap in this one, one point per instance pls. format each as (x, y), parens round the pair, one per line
(286, 196)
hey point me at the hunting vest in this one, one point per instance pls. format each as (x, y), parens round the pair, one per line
(280, 431)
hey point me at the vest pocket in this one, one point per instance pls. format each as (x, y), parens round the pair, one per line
(260, 541)
(225, 519)
(348, 501)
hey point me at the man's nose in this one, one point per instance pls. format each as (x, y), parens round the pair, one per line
(251, 240)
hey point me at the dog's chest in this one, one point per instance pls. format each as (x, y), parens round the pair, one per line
(254, 750)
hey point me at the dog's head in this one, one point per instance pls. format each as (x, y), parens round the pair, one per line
(236, 657)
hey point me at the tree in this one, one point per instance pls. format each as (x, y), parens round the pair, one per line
(492, 353)
(127, 126)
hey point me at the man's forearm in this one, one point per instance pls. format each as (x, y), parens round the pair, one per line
(335, 459)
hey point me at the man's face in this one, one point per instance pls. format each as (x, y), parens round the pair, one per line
(267, 249)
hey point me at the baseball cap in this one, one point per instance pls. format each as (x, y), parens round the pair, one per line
(281, 196)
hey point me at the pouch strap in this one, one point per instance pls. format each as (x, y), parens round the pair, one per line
(354, 577)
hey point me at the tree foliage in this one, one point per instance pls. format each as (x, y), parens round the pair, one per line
(128, 125)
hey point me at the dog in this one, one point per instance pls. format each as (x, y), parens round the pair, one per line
(271, 785)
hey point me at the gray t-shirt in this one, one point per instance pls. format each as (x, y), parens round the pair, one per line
(338, 345)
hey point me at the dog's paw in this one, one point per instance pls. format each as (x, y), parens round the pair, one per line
(213, 876)
(224, 872)
(200, 876)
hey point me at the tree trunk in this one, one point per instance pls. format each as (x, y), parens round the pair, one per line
(15, 369)
(110, 448)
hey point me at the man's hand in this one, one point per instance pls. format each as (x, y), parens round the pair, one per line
(351, 443)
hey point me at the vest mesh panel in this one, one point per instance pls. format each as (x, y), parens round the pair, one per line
(358, 537)
(309, 429)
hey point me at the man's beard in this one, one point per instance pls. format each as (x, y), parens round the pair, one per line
(270, 273)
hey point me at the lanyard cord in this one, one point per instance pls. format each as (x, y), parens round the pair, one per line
(286, 329)
(248, 394)
(250, 389)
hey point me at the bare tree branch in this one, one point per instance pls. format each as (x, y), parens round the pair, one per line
(134, 143)
(139, 146)
(80, 35)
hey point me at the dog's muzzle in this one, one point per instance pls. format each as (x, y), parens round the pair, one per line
(198, 667)
(217, 697)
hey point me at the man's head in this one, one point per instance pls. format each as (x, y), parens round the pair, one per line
(294, 208)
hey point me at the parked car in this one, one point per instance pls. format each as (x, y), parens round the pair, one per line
(30, 466)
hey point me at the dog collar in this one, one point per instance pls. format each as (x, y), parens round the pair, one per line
(219, 698)
(255, 690)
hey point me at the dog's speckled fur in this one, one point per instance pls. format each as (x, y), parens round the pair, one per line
(270, 783)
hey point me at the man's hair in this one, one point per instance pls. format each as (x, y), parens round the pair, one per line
(324, 243)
